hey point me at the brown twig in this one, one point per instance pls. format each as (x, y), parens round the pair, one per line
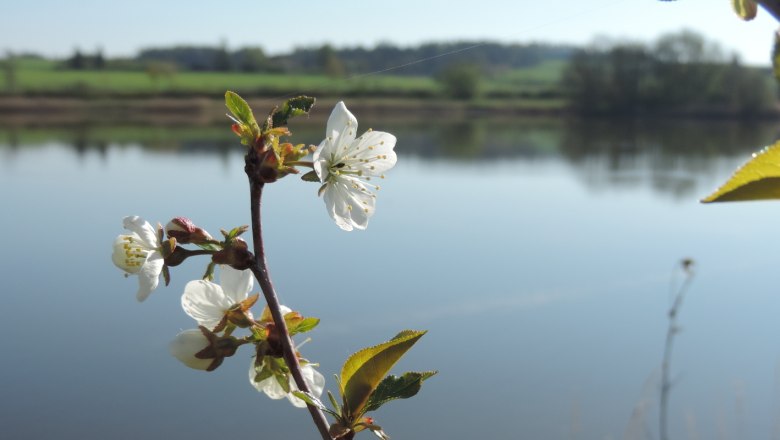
(260, 270)
(771, 6)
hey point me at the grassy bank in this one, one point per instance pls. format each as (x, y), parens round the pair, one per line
(35, 77)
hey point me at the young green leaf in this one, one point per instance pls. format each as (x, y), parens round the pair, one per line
(315, 402)
(746, 9)
(291, 108)
(364, 370)
(758, 179)
(304, 325)
(239, 108)
(334, 402)
(393, 387)
(283, 382)
(235, 232)
(264, 374)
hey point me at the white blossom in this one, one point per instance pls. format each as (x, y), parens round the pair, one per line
(207, 302)
(346, 164)
(138, 253)
(186, 345)
(271, 387)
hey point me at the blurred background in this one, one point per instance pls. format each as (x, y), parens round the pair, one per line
(550, 167)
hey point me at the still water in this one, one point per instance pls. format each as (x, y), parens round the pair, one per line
(539, 255)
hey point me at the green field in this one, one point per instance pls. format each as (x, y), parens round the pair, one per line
(34, 77)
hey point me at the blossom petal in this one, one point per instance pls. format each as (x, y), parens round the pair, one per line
(205, 302)
(186, 345)
(269, 385)
(349, 203)
(126, 258)
(145, 231)
(315, 381)
(374, 152)
(236, 284)
(149, 275)
(320, 161)
(342, 126)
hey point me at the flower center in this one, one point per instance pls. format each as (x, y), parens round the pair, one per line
(129, 254)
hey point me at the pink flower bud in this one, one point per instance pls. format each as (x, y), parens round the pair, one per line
(185, 231)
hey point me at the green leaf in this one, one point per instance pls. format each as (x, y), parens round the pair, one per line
(315, 402)
(239, 108)
(364, 370)
(304, 325)
(263, 374)
(209, 274)
(758, 179)
(334, 402)
(209, 246)
(283, 382)
(393, 387)
(291, 108)
(746, 9)
(235, 232)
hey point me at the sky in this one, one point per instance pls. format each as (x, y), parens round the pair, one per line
(56, 28)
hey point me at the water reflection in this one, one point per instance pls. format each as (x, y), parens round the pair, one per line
(666, 156)
(545, 244)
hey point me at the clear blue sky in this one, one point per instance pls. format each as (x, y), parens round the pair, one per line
(56, 28)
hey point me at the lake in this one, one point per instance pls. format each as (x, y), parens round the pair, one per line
(540, 254)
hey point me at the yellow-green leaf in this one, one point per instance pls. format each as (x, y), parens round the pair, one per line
(364, 370)
(239, 108)
(758, 179)
(746, 9)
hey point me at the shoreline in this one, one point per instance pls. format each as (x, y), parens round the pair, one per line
(205, 110)
(208, 110)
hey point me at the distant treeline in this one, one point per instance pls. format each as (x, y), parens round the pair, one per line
(680, 72)
(427, 59)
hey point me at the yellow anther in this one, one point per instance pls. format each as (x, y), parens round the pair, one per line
(349, 207)
(371, 147)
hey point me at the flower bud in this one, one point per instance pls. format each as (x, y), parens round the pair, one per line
(269, 167)
(235, 254)
(185, 231)
(186, 345)
(262, 163)
(201, 349)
